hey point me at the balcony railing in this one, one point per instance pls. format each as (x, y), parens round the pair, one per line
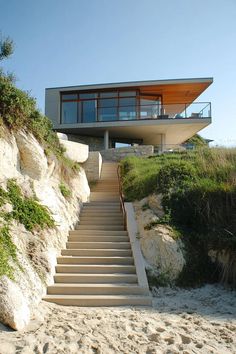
(197, 110)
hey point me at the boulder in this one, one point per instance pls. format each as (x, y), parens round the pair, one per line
(9, 157)
(162, 252)
(15, 311)
(33, 161)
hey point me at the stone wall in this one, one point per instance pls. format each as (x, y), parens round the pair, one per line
(94, 143)
(118, 154)
(93, 166)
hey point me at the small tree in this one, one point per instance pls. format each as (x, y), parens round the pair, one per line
(6, 48)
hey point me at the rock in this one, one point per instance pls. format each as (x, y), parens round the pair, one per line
(155, 203)
(14, 308)
(162, 253)
(6, 208)
(23, 158)
(62, 136)
(9, 157)
(75, 151)
(33, 161)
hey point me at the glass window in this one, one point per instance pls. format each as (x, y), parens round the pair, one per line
(89, 111)
(107, 114)
(127, 101)
(109, 94)
(69, 112)
(108, 102)
(84, 96)
(127, 108)
(127, 93)
(69, 97)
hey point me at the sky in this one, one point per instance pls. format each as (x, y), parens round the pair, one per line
(75, 42)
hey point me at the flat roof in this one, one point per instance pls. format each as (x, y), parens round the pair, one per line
(206, 80)
(172, 91)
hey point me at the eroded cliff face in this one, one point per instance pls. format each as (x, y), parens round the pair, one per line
(23, 158)
(162, 251)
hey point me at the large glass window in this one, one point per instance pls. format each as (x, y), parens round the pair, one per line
(89, 111)
(69, 112)
(88, 107)
(108, 102)
(127, 93)
(108, 94)
(107, 113)
(127, 108)
(86, 96)
(67, 97)
(149, 107)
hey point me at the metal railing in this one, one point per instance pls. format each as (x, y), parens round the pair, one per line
(121, 195)
(135, 111)
(196, 110)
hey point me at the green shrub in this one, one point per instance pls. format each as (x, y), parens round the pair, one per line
(27, 210)
(65, 191)
(7, 252)
(18, 111)
(175, 175)
(199, 198)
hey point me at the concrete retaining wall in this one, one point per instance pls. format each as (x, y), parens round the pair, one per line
(118, 154)
(93, 166)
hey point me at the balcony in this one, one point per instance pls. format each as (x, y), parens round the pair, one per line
(91, 111)
(197, 110)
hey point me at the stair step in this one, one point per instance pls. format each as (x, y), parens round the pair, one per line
(95, 289)
(98, 233)
(103, 217)
(103, 208)
(99, 300)
(97, 252)
(95, 268)
(71, 278)
(95, 260)
(98, 238)
(97, 245)
(102, 214)
(100, 227)
(86, 220)
(103, 203)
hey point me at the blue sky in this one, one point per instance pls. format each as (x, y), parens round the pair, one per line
(60, 43)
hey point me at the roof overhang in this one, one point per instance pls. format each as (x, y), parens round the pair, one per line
(172, 91)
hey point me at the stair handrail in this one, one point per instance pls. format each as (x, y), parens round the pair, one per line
(121, 195)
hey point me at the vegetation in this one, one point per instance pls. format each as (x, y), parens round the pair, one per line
(7, 252)
(65, 191)
(25, 210)
(18, 111)
(197, 141)
(6, 48)
(199, 199)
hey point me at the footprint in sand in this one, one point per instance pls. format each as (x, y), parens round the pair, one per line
(185, 339)
(160, 329)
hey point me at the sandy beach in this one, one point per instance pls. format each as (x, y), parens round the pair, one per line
(200, 320)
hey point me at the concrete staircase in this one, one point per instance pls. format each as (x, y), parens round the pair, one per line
(97, 268)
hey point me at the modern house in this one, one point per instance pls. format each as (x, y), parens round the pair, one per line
(157, 112)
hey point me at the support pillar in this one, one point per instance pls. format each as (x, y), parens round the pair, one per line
(106, 140)
(163, 143)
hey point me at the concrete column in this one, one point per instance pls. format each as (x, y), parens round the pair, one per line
(163, 142)
(106, 140)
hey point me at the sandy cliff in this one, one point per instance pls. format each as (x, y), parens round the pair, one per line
(23, 159)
